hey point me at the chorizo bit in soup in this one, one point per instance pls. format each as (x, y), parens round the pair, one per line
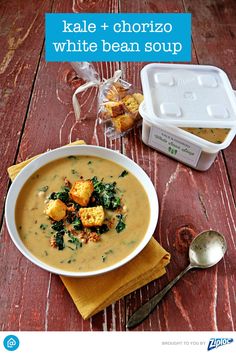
(82, 213)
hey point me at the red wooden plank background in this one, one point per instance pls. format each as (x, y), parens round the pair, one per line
(36, 114)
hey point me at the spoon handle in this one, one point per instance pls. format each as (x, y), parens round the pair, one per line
(143, 311)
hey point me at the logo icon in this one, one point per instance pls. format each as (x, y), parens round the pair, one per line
(215, 343)
(11, 343)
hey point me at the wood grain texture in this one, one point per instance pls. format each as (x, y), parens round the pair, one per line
(221, 12)
(229, 155)
(21, 40)
(190, 201)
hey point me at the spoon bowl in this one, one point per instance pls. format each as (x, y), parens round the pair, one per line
(207, 249)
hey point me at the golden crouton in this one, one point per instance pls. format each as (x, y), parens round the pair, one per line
(112, 94)
(121, 89)
(116, 92)
(81, 192)
(139, 97)
(131, 104)
(92, 216)
(123, 122)
(115, 108)
(56, 209)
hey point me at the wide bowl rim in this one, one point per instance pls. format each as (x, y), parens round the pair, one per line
(84, 150)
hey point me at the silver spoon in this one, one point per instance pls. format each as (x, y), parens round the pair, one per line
(206, 249)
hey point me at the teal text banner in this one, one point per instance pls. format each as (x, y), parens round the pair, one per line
(129, 37)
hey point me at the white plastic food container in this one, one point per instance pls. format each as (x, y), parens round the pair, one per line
(186, 96)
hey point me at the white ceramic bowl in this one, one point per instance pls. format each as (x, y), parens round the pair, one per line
(87, 150)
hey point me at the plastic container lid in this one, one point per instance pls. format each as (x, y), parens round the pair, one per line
(188, 95)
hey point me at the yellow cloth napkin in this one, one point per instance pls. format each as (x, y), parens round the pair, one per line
(93, 294)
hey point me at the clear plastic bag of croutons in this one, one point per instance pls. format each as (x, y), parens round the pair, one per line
(118, 101)
(118, 107)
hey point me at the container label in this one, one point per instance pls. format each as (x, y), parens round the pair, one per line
(174, 146)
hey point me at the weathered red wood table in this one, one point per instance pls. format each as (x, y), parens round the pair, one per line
(36, 114)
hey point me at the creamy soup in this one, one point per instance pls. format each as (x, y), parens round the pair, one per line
(214, 135)
(82, 213)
